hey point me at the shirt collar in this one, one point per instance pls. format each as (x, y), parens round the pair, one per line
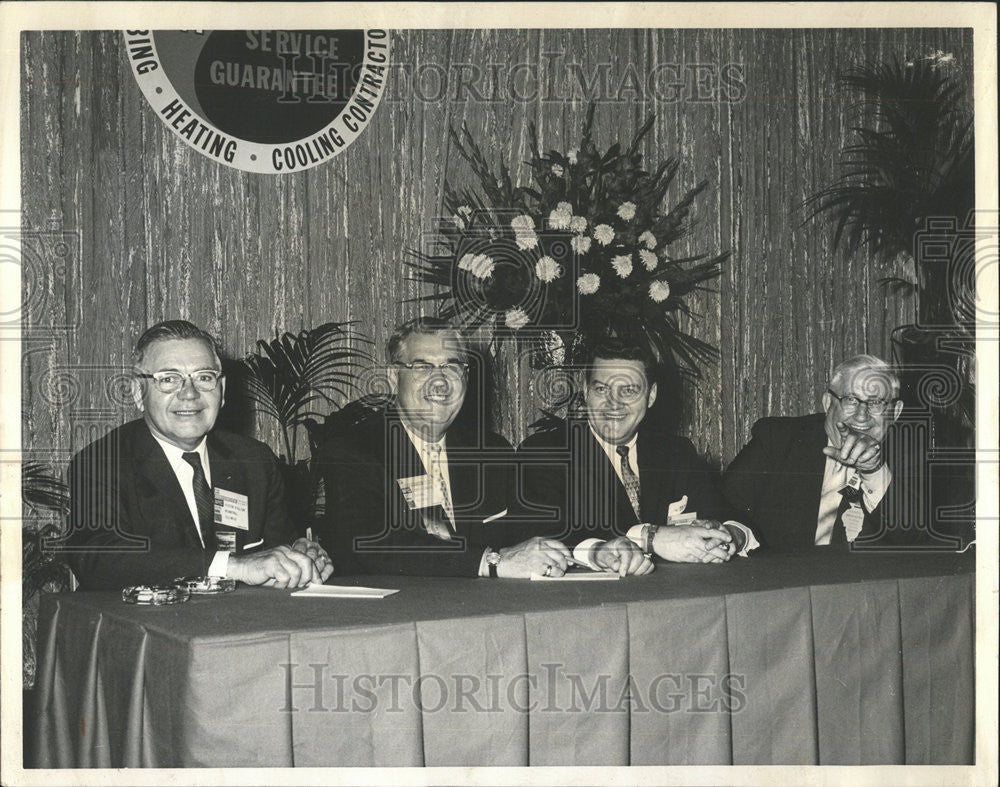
(423, 446)
(611, 448)
(175, 455)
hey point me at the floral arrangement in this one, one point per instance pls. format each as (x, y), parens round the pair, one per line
(587, 249)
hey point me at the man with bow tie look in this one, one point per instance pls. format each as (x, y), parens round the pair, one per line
(620, 490)
(824, 479)
(419, 490)
(168, 496)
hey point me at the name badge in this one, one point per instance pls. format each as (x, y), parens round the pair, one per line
(854, 519)
(419, 491)
(231, 509)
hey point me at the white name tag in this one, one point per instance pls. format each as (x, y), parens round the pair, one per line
(854, 519)
(231, 509)
(419, 491)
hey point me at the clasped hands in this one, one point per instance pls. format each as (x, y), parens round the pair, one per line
(702, 541)
(283, 566)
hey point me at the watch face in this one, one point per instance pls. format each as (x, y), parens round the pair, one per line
(493, 558)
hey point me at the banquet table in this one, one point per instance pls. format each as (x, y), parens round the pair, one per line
(819, 658)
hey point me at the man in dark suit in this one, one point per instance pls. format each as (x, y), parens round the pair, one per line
(414, 490)
(828, 478)
(619, 490)
(166, 496)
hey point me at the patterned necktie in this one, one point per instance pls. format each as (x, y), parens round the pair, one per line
(629, 479)
(437, 476)
(203, 499)
(839, 533)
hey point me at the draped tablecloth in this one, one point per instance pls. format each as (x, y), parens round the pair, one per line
(822, 658)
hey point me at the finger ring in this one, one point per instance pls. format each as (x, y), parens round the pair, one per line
(548, 571)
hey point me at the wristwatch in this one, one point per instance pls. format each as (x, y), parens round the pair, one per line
(492, 561)
(650, 534)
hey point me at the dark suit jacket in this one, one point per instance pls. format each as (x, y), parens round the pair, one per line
(776, 481)
(566, 471)
(130, 523)
(368, 528)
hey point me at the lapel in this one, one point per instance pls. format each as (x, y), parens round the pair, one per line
(657, 481)
(159, 493)
(808, 464)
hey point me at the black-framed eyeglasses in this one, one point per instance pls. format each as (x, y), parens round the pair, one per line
(204, 380)
(425, 369)
(850, 404)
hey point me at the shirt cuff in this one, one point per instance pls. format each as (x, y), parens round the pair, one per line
(634, 535)
(751, 541)
(583, 551)
(873, 486)
(220, 565)
(484, 569)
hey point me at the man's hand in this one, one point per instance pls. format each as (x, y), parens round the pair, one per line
(621, 555)
(321, 560)
(734, 546)
(280, 567)
(534, 556)
(856, 450)
(693, 543)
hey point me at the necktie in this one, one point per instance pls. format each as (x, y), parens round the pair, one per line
(629, 479)
(437, 476)
(839, 533)
(203, 499)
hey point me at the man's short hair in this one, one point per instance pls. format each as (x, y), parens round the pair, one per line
(852, 366)
(168, 330)
(421, 325)
(612, 348)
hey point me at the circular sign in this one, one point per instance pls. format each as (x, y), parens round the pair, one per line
(268, 101)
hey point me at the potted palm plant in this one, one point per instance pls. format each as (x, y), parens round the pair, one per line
(906, 198)
(295, 378)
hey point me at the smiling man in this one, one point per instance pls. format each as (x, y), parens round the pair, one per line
(619, 490)
(167, 496)
(417, 489)
(823, 479)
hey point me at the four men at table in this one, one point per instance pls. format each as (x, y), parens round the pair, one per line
(423, 489)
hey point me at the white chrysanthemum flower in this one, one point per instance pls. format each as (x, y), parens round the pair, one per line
(465, 211)
(516, 318)
(492, 233)
(557, 170)
(580, 244)
(588, 284)
(559, 218)
(647, 258)
(603, 234)
(622, 265)
(627, 211)
(523, 223)
(571, 156)
(482, 266)
(547, 269)
(659, 291)
(578, 224)
(466, 262)
(648, 239)
(524, 232)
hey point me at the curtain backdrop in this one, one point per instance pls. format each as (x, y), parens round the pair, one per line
(124, 225)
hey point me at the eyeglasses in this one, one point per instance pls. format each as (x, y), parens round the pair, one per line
(422, 369)
(625, 392)
(204, 380)
(850, 404)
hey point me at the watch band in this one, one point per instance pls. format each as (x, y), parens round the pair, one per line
(492, 561)
(650, 533)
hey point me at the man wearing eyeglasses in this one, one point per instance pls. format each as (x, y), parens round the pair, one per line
(422, 487)
(620, 490)
(820, 479)
(169, 496)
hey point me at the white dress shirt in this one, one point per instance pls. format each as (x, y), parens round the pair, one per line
(185, 477)
(432, 454)
(583, 550)
(835, 477)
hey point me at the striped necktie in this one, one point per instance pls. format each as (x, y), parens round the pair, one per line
(203, 499)
(629, 479)
(437, 476)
